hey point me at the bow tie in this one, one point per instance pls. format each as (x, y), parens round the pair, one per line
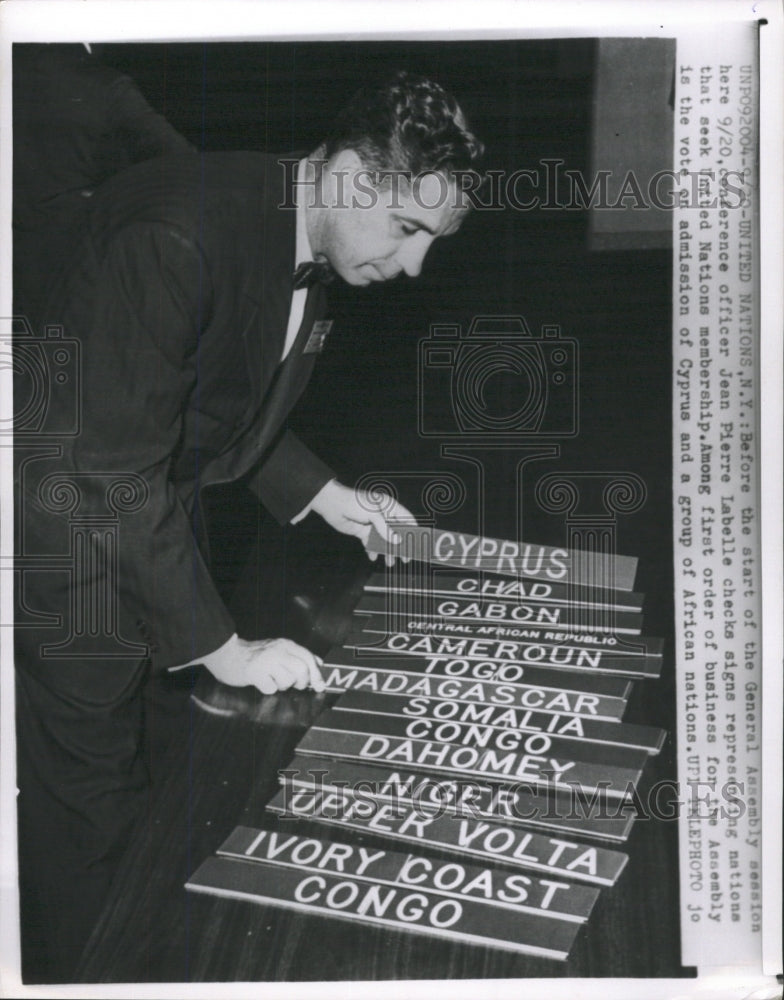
(312, 271)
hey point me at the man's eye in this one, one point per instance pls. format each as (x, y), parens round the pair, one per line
(408, 230)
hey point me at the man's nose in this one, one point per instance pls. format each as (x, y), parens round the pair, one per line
(411, 254)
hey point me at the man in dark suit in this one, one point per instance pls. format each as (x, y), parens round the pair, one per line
(194, 343)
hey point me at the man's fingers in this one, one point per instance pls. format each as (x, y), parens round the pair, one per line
(304, 667)
(384, 529)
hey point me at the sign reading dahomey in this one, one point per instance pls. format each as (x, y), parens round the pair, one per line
(476, 751)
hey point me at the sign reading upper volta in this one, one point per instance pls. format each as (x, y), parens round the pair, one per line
(593, 817)
(401, 577)
(471, 838)
(394, 907)
(509, 558)
(509, 890)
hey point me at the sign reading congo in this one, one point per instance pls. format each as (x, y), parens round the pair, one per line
(395, 907)
(507, 557)
(433, 711)
(479, 751)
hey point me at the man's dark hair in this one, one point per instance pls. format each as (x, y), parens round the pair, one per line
(408, 124)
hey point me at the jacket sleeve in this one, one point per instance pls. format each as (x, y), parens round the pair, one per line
(289, 477)
(138, 305)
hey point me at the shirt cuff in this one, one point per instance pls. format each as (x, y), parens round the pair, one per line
(306, 510)
(203, 659)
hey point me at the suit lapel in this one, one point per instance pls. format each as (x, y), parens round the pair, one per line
(292, 375)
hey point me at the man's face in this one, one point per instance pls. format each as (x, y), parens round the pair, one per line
(373, 234)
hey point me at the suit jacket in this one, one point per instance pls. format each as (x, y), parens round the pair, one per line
(177, 299)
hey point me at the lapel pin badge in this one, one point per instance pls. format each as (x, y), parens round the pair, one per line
(318, 336)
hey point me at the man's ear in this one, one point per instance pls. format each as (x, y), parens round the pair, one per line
(347, 160)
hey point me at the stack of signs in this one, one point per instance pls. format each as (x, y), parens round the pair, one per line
(479, 721)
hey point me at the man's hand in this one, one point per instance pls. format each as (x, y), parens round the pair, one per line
(268, 664)
(356, 512)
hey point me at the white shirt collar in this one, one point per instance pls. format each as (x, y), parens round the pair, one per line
(302, 250)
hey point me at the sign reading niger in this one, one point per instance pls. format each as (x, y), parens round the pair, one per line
(514, 803)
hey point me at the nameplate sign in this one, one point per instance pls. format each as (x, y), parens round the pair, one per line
(434, 711)
(410, 578)
(493, 842)
(509, 558)
(539, 760)
(542, 647)
(469, 612)
(397, 908)
(512, 891)
(511, 804)
(339, 677)
(407, 653)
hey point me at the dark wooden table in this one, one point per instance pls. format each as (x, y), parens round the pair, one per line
(219, 771)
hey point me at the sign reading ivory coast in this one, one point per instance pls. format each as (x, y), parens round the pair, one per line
(510, 558)
(512, 891)
(513, 804)
(632, 657)
(397, 907)
(485, 612)
(433, 711)
(479, 751)
(401, 578)
(474, 838)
